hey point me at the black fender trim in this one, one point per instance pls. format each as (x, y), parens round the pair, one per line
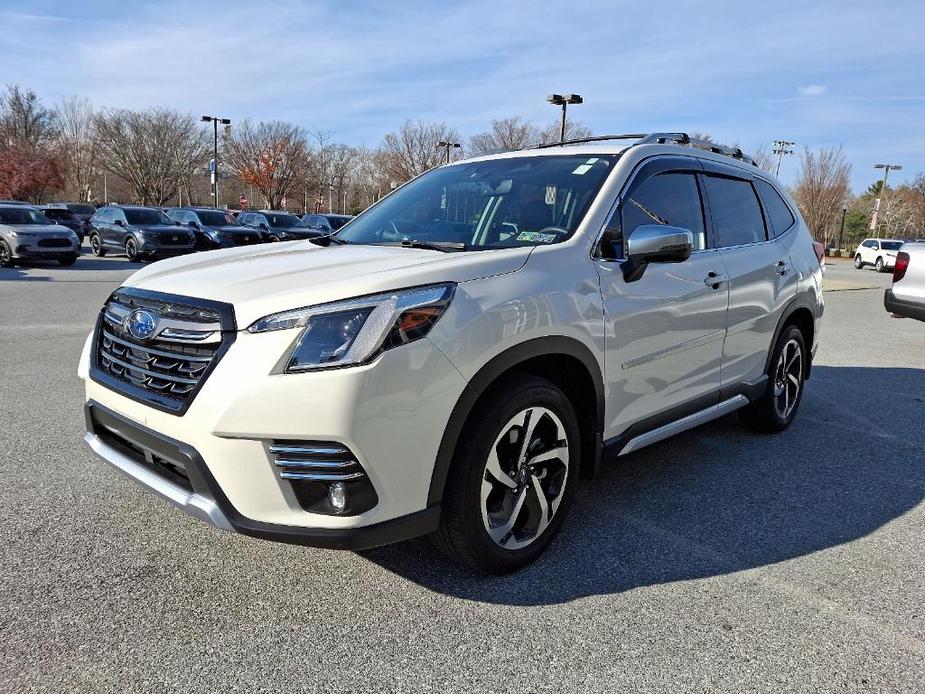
(797, 302)
(488, 374)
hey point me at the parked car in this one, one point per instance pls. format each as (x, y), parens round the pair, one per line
(139, 232)
(64, 217)
(27, 234)
(18, 203)
(881, 253)
(277, 226)
(82, 210)
(326, 223)
(906, 298)
(455, 358)
(214, 228)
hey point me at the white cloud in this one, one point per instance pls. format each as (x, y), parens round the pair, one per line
(813, 90)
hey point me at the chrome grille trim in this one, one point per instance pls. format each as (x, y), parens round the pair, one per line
(151, 350)
(321, 464)
(308, 450)
(322, 476)
(156, 374)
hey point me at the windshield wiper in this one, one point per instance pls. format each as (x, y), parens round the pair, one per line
(442, 246)
(328, 240)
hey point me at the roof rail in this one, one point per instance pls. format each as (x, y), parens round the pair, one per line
(659, 139)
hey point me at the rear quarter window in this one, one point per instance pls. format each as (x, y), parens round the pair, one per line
(779, 214)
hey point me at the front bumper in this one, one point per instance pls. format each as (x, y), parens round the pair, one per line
(108, 433)
(153, 247)
(32, 251)
(900, 306)
(391, 414)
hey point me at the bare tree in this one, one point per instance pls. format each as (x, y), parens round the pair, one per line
(273, 157)
(154, 150)
(573, 131)
(764, 159)
(505, 133)
(29, 163)
(413, 149)
(821, 189)
(78, 145)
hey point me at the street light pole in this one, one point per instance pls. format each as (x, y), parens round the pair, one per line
(448, 146)
(782, 147)
(841, 231)
(886, 173)
(215, 120)
(564, 100)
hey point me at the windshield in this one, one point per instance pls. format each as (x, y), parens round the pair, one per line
(500, 203)
(214, 218)
(891, 245)
(149, 217)
(22, 215)
(283, 220)
(82, 209)
(55, 213)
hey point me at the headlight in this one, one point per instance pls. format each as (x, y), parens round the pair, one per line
(21, 234)
(350, 332)
(214, 235)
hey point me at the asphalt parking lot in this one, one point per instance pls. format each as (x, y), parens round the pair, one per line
(716, 561)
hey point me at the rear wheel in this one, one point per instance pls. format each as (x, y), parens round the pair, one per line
(131, 250)
(67, 260)
(858, 263)
(96, 246)
(6, 255)
(273, 238)
(879, 265)
(776, 408)
(512, 478)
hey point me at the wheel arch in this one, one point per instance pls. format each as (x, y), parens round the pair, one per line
(564, 361)
(799, 313)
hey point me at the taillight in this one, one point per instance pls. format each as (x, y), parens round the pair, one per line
(900, 266)
(820, 252)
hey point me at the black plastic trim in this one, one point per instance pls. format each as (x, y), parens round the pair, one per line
(159, 402)
(406, 527)
(902, 307)
(507, 360)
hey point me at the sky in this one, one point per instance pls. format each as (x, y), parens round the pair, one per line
(821, 74)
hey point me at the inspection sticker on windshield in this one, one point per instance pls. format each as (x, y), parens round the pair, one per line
(550, 195)
(586, 167)
(536, 237)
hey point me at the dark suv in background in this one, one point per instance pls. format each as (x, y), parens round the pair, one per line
(63, 216)
(326, 223)
(139, 232)
(214, 228)
(278, 226)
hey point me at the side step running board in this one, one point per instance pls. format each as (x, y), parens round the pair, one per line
(685, 423)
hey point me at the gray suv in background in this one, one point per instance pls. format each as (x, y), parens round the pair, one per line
(27, 234)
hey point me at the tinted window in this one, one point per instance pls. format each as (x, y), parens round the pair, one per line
(22, 215)
(213, 218)
(338, 222)
(737, 217)
(778, 212)
(283, 220)
(668, 198)
(890, 245)
(141, 216)
(82, 209)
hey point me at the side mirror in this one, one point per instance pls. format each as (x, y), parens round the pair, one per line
(655, 243)
(195, 225)
(120, 222)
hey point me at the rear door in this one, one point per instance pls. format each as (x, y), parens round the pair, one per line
(757, 266)
(664, 331)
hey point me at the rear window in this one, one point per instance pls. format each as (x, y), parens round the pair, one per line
(779, 214)
(891, 245)
(737, 218)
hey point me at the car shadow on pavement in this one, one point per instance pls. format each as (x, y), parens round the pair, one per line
(720, 499)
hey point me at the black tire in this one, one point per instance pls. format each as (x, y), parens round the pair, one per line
(131, 250)
(6, 255)
(96, 246)
(67, 260)
(878, 265)
(273, 238)
(764, 414)
(463, 535)
(858, 263)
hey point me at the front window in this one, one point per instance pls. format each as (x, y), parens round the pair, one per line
(146, 217)
(22, 215)
(500, 203)
(891, 245)
(214, 218)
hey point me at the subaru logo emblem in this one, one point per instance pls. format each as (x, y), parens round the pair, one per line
(141, 324)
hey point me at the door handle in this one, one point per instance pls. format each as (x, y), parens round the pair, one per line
(714, 279)
(782, 268)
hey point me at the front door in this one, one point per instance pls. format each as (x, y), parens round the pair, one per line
(664, 331)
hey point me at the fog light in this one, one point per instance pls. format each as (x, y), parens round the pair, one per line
(337, 495)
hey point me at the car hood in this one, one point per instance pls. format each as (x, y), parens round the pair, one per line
(42, 229)
(260, 280)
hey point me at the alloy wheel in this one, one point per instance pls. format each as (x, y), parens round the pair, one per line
(5, 257)
(524, 478)
(788, 379)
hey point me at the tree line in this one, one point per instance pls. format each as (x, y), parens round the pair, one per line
(160, 156)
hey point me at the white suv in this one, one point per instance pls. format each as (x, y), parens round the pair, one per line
(881, 253)
(454, 359)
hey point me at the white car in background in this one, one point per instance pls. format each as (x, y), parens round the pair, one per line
(881, 253)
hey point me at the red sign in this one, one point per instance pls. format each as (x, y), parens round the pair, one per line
(243, 201)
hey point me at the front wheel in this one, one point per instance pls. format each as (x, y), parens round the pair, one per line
(273, 238)
(858, 263)
(6, 255)
(512, 477)
(131, 250)
(776, 408)
(96, 246)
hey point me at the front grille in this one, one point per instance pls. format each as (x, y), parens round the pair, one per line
(168, 239)
(55, 243)
(169, 365)
(245, 239)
